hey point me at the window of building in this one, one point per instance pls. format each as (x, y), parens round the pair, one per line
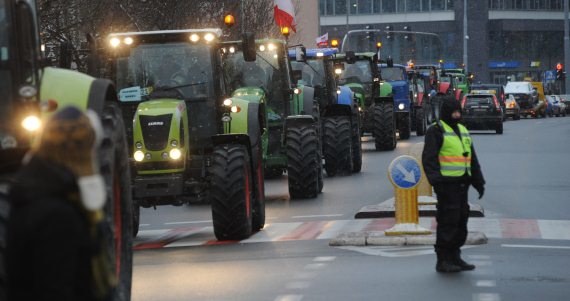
(353, 7)
(450, 4)
(413, 5)
(438, 4)
(364, 6)
(401, 4)
(388, 6)
(322, 4)
(340, 7)
(425, 5)
(377, 6)
(329, 7)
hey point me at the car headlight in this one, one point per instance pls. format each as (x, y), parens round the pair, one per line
(175, 154)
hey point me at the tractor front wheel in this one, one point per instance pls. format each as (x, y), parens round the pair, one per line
(337, 148)
(384, 126)
(303, 161)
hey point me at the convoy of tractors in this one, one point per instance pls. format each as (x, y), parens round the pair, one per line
(191, 116)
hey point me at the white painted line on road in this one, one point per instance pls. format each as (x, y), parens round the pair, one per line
(535, 246)
(188, 222)
(486, 297)
(554, 229)
(313, 216)
(315, 266)
(144, 225)
(486, 283)
(289, 298)
(324, 258)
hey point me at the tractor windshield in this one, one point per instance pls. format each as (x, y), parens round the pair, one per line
(184, 69)
(393, 74)
(313, 72)
(262, 73)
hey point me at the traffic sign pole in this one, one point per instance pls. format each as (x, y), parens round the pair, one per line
(405, 174)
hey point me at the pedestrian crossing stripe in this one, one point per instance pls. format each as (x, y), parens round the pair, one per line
(318, 230)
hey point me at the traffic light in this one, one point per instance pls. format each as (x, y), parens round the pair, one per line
(408, 36)
(560, 74)
(389, 34)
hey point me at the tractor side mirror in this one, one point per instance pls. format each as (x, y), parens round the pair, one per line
(248, 46)
(350, 57)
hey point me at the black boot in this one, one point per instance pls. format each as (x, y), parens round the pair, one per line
(461, 263)
(445, 264)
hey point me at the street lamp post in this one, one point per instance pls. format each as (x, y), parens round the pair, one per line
(465, 37)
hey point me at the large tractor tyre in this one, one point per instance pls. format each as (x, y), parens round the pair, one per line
(356, 146)
(231, 192)
(119, 206)
(337, 144)
(404, 126)
(304, 162)
(317, 115)
(384, 126)
(421, 124)
(258, 219)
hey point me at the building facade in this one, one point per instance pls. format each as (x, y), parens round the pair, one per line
(515, 39)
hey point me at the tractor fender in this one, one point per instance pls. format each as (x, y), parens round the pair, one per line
(302, 103)
(247, 121)
(66, 87)
(386, 89)
(101, 91)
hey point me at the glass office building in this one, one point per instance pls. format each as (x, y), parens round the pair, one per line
(506, 38)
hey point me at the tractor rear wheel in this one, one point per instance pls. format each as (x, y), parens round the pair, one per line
(304, 161)
(356, 145)
(384, 126)
(337, 145)
(231, 192)
(421, 123)
(118, 209)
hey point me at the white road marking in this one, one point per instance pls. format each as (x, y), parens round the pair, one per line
(486, 297)
(315, 266)
(313, 216)
(324, 258)
(289, 298)
(144, 225)
(536, 246)
(554, 229)
(485, 283)
(188, 222)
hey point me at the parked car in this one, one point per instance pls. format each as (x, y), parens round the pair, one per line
(562, 103)
(482, 112)
(497, 89)
(554, 107)
(512, 108)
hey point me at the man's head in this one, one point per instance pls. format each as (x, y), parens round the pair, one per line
(450, 111)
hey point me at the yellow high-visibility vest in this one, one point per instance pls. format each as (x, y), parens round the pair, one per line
(455, 153)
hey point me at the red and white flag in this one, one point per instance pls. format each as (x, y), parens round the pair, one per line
(323, 41)
(284, 14)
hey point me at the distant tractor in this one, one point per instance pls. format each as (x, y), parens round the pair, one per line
(291, 113)
(189, 140)
(339, 110)
(359, 72)
(396, 75)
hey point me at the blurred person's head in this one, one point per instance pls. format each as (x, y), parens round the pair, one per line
(450, 111)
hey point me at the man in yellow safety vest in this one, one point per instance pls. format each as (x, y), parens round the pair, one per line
(451, 165)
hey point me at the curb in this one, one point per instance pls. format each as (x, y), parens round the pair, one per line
(387, 209)
(378, 238)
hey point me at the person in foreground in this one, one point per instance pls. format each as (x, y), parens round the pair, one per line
(56, 249)
(451, 166)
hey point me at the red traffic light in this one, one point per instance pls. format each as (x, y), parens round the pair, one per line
(559, 66)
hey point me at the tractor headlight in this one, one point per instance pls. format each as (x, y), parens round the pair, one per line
(337, 71)
(401, 106)
(228, 102)
(338, 91)
(209, 37)
(139, 156)
(138, 145)
(296, 91)
(115, 42)
(175, 154)
(232, 49)
(235, 109)
(174, 143)
(194, 38)
(31, 123)
(261, 48)
(128, 41)
(271, 47)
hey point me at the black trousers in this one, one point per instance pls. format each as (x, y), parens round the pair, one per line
(452, 217)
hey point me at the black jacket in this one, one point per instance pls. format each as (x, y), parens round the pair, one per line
(48, 243)
(430, 160)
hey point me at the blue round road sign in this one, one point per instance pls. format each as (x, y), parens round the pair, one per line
(404, 172)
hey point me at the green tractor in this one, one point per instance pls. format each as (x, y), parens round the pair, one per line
(291, 113)
(30, 93)
(360, 72)
(340, 116)
(189, 140)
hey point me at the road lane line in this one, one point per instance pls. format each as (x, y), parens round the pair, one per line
(316, 216)
(486, 283)
(486, 297)
(535, 246)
